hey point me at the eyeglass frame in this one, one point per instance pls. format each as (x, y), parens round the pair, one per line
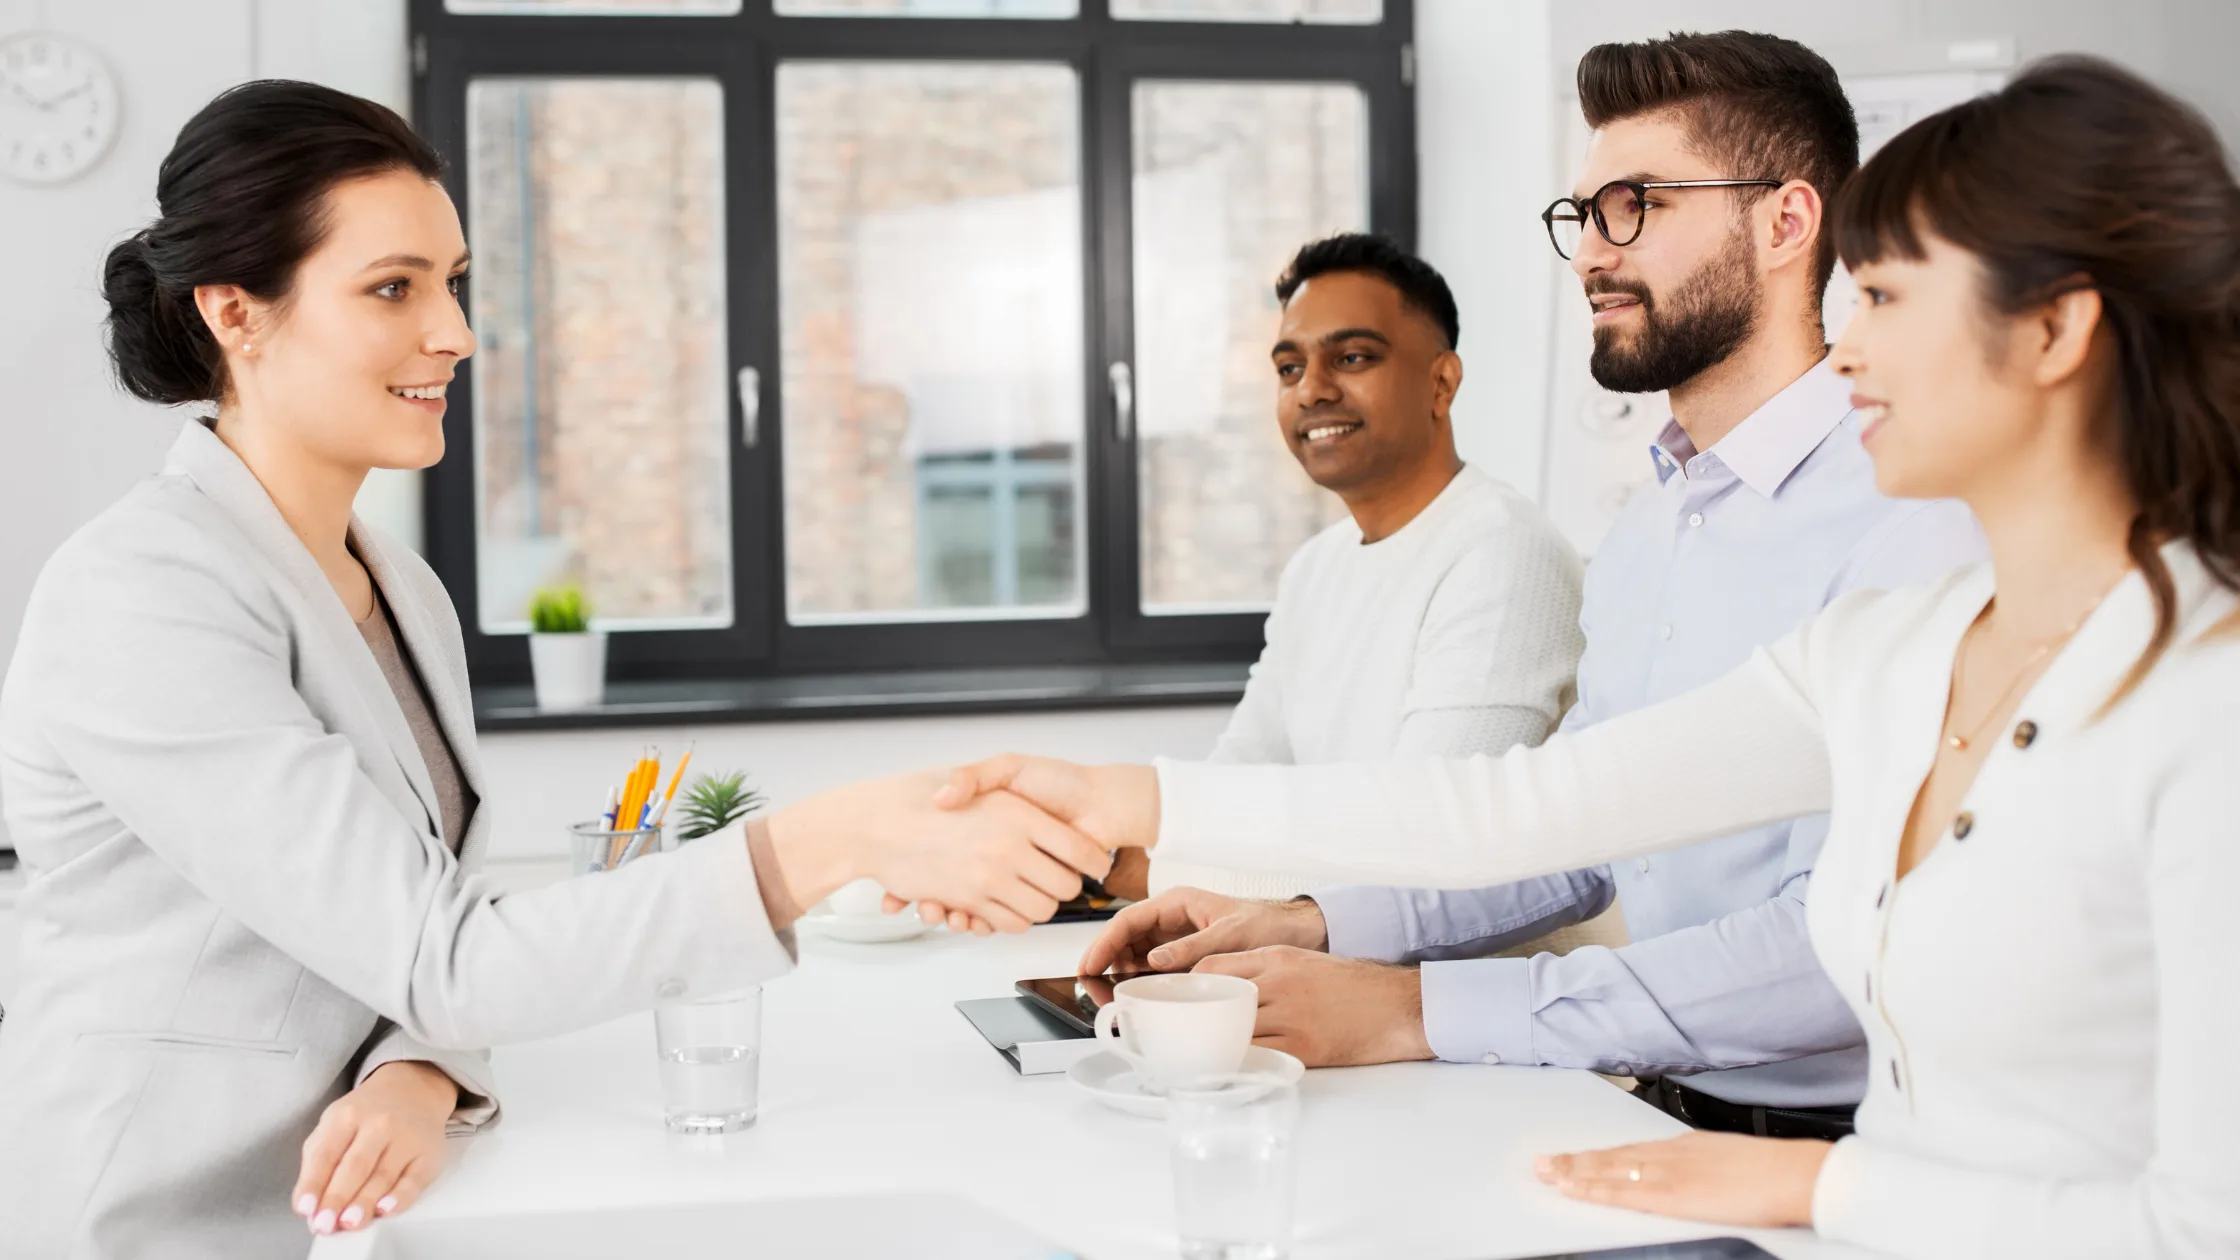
(1590, 208)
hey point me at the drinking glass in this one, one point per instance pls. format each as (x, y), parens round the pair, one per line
(711, 1061)
(1230, 1142)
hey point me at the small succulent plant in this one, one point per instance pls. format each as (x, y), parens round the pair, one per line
(714, 802)
(559, 610)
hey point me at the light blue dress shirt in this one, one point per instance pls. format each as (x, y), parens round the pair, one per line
(1731, 549)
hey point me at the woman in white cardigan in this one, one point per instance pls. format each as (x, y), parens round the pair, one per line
(2033, 767)
(237, 748)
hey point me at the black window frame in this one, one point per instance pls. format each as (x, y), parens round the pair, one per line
(743, 52)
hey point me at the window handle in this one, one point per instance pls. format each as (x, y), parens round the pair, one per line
(750, 407)
(1123, 401)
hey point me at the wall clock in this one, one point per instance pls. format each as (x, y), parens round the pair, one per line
(58, 108)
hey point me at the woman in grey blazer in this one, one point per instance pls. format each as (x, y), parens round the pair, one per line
(238, 755)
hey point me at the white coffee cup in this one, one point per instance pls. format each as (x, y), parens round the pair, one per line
(1174, 1029)
(861, 899)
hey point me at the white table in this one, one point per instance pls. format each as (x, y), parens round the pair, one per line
(871, 1081)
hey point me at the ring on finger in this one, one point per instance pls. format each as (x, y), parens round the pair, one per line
(1633, 1173)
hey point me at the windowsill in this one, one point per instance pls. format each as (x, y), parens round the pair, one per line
(897, 694)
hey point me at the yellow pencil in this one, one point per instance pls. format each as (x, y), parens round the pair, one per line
(634, 790)
(668, 798)
(649, 777)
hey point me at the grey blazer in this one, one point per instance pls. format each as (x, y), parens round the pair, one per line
(238, 903)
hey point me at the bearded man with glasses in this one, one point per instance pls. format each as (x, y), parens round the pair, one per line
(1697, 237)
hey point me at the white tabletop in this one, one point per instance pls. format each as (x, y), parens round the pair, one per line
(871, 1081)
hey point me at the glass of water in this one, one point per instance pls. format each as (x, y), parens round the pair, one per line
(1230, 1141)
(711, 1061)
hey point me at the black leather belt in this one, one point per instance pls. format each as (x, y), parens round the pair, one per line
(1699, 1110)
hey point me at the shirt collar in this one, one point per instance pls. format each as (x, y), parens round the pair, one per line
(1769, 444)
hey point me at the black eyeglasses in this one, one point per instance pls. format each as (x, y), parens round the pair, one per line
(1619, 208)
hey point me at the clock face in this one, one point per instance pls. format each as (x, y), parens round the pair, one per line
(58, 108)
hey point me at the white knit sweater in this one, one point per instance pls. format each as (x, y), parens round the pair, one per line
(1455, 635)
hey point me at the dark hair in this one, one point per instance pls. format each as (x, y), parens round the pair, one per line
(241, 200)
(2080, 174)
(1421, 287)
(1763, 106)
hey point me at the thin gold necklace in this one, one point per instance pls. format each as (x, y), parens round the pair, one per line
(1959, 742)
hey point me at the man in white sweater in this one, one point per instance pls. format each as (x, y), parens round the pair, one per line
(1440, 619)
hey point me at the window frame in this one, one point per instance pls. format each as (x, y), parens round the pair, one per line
(742, 52)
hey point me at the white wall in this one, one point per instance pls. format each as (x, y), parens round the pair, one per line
(1481, 187)
(2186, 45)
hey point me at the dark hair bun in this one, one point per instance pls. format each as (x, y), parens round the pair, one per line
(157, 341)
(241, 197)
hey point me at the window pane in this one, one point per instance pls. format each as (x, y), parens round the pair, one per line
(931, 8)
(1362, 12)
(601, 389)
(930, 312)
(1230, 179)
(591, 8)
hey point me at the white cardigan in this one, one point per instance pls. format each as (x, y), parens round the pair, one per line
(2048, 997)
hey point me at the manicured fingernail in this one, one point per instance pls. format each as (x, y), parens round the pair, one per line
(1542, 1164)
(387, 1205)
(323, 1223)
(1160, 956)
(352, 1215)
(306, 1204)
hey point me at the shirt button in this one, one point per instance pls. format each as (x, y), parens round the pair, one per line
(1641, 867)
(1695, 520)
(2025, 734)
(1962, 825)
(669, 990)
(1664, 632)
(1493, 1059)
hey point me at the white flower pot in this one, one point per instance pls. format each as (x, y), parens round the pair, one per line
(570, 669)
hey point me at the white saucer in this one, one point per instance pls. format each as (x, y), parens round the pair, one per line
(1108, 1079)
(868, 929)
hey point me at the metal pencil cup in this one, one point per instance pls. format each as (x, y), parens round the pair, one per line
(593, 848)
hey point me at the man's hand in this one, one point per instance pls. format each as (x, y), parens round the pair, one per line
(1177, 928)
(996, 857)
(1726, 1178)
(1331, 1012)
(375, 1148)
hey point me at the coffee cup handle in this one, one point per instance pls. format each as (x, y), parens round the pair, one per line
(1109, 1033)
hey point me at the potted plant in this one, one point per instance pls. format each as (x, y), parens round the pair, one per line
(714, 802)
(567, 657)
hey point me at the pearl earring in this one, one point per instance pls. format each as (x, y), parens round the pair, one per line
(248, 347)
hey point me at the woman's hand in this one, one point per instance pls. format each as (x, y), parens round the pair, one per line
(1115, 806)
(376, 1147)
(996, 857)
(1725, 1178)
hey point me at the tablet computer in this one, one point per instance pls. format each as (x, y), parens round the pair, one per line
(1074, 999)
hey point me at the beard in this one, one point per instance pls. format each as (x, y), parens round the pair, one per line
(1707, 318)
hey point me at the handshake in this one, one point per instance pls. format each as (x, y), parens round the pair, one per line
(990, 847)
